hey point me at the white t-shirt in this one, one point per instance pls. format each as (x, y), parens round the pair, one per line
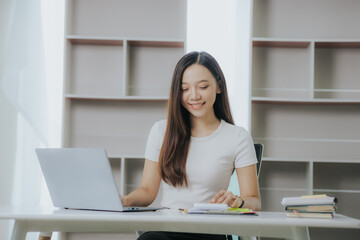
(210, 163)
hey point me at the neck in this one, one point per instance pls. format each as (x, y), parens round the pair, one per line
(201, 127)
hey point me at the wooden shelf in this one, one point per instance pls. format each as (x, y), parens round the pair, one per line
(95, 40)
(146, 42)
(114, 98)
(310, 160)
(305, 99)
(119, 58)
(157, 43)
(279, 43)
(337, 191)
(338, 44)
(283, 189)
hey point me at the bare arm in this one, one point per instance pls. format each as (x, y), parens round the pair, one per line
(249, 189)
(249, 186)
(149, 186)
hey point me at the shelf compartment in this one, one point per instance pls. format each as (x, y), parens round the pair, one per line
(95, 67)
(151, 65)
(281, 69)
(337, 70)
(133, 174)
(337, 176)
(320, 122)
(305, 150)
(273, 174)
(328, 132)
(142, 18)
(115, 125)
(306, 19)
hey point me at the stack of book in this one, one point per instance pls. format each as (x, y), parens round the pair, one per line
(311, 206)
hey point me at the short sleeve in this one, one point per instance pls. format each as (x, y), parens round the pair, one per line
(154, 141)
(245, 151)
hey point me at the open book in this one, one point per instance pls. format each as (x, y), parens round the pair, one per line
(216, 208)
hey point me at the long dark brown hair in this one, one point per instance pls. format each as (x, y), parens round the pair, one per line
(176, 142)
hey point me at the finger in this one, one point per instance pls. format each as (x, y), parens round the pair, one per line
(229, 199)
(224, 197)
(217, 196)
(236, 203)
(221, 199)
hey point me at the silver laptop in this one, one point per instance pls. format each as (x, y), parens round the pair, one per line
(81, 178)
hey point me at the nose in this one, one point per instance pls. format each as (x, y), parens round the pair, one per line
(194, 94)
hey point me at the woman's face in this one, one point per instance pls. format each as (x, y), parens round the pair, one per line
(199, 89)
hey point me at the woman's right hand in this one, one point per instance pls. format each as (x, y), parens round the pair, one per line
(149, 187)
(123, 200)
(227, 197)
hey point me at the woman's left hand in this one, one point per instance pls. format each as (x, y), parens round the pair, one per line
(227, 197)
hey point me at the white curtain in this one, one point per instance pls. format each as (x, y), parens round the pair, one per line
(24, 104)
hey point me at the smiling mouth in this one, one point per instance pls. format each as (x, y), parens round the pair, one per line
(197, 105)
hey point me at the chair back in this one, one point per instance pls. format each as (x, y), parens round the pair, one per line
(259, 149)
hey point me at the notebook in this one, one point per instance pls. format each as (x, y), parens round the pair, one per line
(81, 178)
(217, 208)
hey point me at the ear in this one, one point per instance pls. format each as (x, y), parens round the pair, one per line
(218, 90)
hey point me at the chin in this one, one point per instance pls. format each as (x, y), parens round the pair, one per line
(197, 114)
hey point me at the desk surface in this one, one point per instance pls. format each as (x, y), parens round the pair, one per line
(171, 215)
(52, 219)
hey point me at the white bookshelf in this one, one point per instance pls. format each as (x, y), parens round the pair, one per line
(305, 102)
(119, 59)
(123, 65)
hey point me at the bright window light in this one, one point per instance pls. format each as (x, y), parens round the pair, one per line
(222, 28)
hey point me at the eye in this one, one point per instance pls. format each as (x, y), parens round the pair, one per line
(184, 89)
(204, 87)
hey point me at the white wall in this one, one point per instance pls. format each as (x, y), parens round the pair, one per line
(222, 28)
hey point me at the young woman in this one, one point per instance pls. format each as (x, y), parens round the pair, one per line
(191, 156)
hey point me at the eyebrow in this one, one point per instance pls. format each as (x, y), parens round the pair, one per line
(201, 81)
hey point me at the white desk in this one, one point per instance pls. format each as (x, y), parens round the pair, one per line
(270, 224)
